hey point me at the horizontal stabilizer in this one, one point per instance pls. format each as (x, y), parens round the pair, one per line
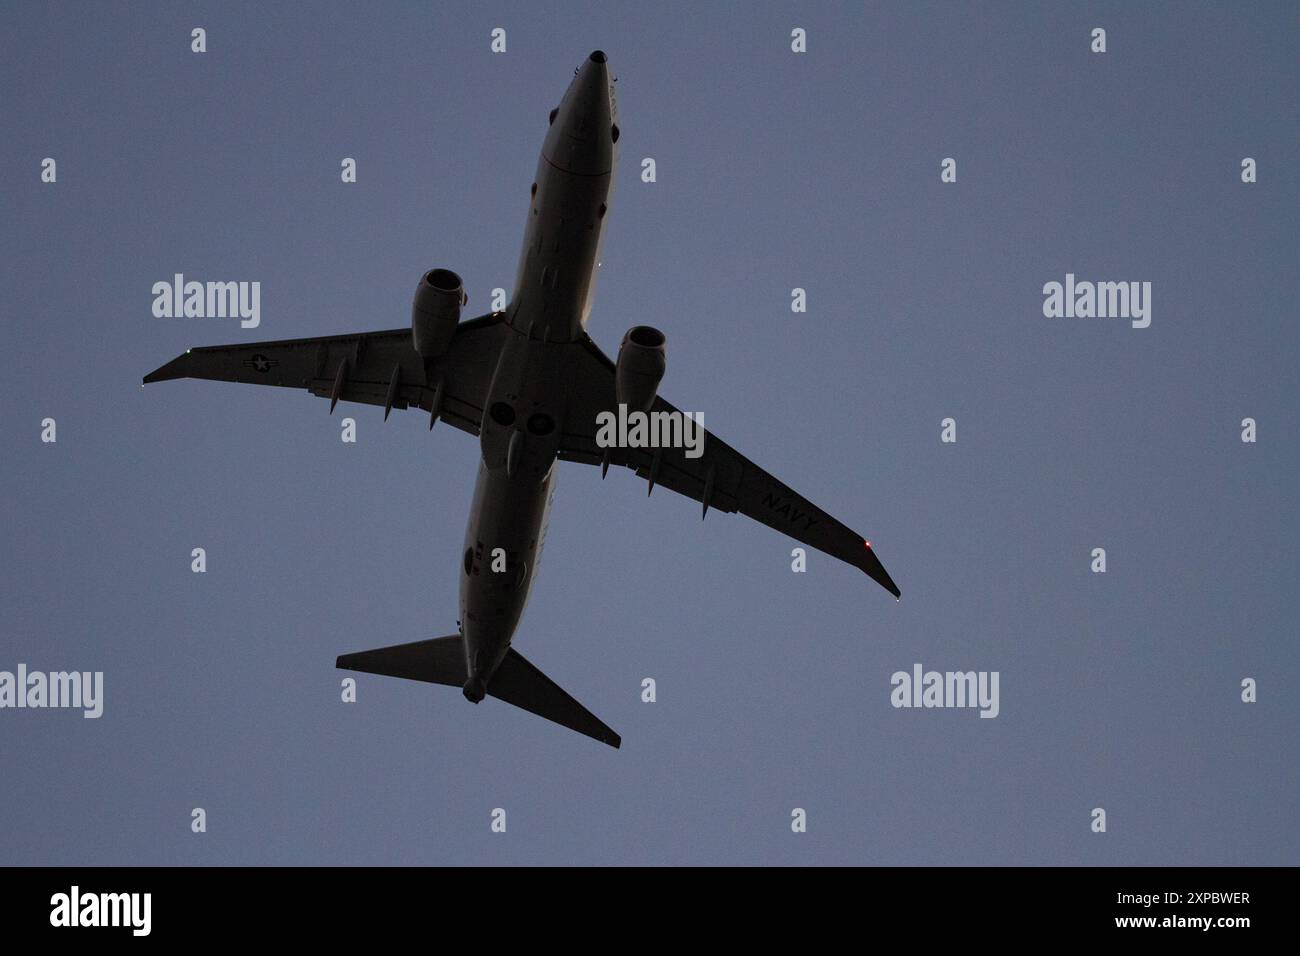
(517, 682)
(438, 661)
(520, 683)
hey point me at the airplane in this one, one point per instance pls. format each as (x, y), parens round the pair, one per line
(529, 383)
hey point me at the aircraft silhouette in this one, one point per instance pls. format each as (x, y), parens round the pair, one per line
(531, 384)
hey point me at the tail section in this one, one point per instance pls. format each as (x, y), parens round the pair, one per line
(516, 681)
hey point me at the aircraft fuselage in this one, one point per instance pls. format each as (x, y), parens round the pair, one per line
(526, 404)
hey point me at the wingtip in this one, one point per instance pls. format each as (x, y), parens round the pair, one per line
(872, 567)
(173, 369)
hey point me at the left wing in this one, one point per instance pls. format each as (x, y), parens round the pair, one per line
(377, 368)
(720, 478)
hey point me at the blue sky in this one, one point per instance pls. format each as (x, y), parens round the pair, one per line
(774, 171)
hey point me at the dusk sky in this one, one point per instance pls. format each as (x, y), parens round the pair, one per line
(775, 170)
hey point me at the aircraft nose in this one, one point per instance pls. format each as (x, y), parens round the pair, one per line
(581, 137)
(589, 93)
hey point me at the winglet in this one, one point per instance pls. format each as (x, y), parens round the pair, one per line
(870, 564)
(176, 368)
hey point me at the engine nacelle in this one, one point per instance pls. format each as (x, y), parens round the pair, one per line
(642, 360)
(436, 311)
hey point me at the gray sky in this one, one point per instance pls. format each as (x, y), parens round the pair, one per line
(775, 170)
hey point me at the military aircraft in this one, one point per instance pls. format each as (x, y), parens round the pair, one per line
(530, 384)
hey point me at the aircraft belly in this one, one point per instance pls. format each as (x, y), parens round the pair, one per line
(557, 266)
(502, 545)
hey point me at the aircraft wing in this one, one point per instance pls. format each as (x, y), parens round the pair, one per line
(721, 478)
(377, 368)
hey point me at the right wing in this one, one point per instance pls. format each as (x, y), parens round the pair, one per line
(721, 478)
(370, 367)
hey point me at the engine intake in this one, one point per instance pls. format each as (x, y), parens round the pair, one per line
(642, 360)
(436, 311)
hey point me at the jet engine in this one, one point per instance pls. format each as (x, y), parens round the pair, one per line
(435, 311)
(642, 359)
